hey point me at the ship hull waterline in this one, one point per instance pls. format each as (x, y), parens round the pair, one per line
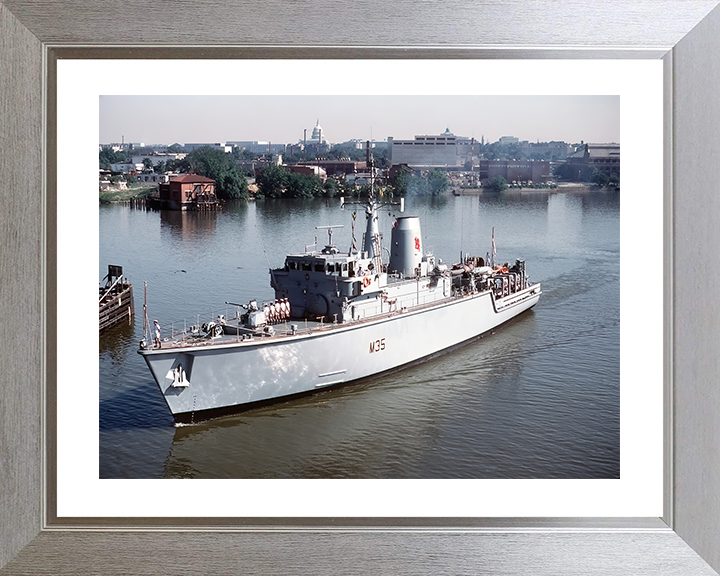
(228, 378)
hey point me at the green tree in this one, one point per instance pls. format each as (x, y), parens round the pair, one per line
(109, 156)
(408, 184)
(303, 186)
(216, 164)
(147, 165)
(272, 180)
(160, 167)
(402, 183)
(345, 188)
(232, 185)
(178, 165)
(563, 170)
(331, 187)
(599, 178)
(243, 154)
(498, 183)
(437, 182)
(417, 185)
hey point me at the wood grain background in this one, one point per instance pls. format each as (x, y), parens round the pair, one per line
(440, 29)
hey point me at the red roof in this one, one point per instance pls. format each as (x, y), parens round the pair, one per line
(191, 179)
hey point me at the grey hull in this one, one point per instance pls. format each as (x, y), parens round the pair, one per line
(229, 376)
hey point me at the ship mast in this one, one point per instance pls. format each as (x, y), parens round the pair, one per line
(372, 231)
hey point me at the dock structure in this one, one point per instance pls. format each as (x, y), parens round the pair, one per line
(116, 298)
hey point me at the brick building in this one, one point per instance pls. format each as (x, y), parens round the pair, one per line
(308, 170)
(603, 157)
(514, 170)
(188, 192)
(340, 167)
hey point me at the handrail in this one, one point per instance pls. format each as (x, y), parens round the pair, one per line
(111, 287)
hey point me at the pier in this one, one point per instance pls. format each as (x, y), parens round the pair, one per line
(116, 299)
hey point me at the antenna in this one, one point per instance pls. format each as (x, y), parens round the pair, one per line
(262, 244)
(330, 231)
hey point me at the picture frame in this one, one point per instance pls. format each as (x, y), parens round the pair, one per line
(686, 540)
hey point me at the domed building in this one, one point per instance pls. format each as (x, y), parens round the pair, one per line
(317, 142)
(317, 134)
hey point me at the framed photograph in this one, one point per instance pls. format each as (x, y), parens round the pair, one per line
(414, 535)
(254, 452)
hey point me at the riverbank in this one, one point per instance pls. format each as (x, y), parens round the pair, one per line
(564, 187)
(132, 192)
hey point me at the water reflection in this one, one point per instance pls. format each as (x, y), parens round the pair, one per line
(187, 224)
(129, 408)
(114, 340)
(383, 427)
(540, 398)
(564, 218)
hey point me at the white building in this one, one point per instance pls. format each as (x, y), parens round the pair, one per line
(317, 137)
(152, 177)
(505, 140)
(432, 151)
(190, 146)
(257, 146)
(115, 147)
(555, 150)
(317, 142)
(357, 144)
(157, 158)
(125, 167)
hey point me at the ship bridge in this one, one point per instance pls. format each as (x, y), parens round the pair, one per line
(320, 283)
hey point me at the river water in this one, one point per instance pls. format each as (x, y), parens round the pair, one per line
(540, 398)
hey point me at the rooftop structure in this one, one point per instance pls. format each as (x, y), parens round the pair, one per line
(190, 146)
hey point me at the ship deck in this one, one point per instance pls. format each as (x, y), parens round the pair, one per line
(236, 333)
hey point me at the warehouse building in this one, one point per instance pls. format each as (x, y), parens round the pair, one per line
(444, 150)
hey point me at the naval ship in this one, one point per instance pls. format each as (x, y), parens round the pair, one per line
(338, 316)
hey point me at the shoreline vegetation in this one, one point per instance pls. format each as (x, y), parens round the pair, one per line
(126, 194)
(280, 181)
(140, 192)
(561, 187)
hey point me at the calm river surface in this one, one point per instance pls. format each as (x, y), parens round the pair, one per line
(538, 399)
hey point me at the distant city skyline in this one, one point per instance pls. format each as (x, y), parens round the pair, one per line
(282, 119)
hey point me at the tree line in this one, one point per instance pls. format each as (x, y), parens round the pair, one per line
(230, 179)
(596, 176)
(275, 181)
(434, 183)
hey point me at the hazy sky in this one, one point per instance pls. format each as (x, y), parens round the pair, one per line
(282, 119)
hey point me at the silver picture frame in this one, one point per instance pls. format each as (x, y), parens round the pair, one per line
(685, 34)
